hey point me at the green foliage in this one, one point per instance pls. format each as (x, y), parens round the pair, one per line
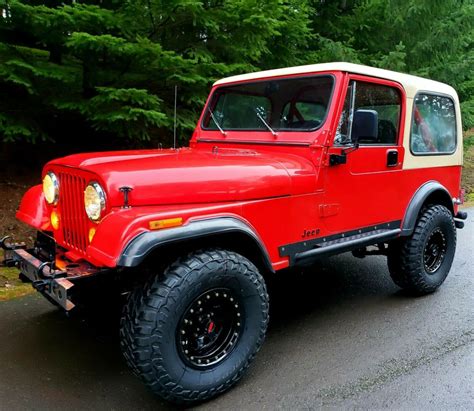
(128, 112)
(109, 68)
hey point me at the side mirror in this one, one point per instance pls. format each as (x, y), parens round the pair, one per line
(365, 126)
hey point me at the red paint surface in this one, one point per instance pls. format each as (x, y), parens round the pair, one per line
(278, 188)
(33, 209)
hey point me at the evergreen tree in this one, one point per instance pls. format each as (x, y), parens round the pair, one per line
(108, 68)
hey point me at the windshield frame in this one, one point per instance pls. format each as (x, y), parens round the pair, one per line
(212, 102)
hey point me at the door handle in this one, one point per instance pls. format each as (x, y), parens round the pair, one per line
(392, 158)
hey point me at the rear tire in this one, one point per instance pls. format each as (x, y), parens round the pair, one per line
(192, 333)
(420, 263)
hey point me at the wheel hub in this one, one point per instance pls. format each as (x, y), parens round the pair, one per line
(210, 328)
(435, 250)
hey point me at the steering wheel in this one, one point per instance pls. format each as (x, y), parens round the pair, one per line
(294, 112)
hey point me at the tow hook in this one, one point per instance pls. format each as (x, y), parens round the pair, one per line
(9, 247)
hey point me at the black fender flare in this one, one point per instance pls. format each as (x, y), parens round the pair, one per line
(143, 244)
(419, 198)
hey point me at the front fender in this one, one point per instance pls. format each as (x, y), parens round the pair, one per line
(141, 246)
(33, 210)
(124, 239)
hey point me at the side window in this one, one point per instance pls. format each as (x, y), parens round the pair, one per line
(433, 128)
(385, 100)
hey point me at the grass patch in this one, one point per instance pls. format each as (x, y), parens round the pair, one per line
(10, 285)
(468, 170)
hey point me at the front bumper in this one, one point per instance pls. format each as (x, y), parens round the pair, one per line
(55, 284)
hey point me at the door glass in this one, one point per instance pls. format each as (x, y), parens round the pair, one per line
(343, 129)
(385, 100)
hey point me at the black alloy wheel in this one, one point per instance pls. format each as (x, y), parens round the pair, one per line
(421, 262)
(435, 251)
(210, 328)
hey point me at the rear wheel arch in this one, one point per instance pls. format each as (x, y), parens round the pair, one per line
(430, 193)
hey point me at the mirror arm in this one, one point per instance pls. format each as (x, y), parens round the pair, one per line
(348, 150)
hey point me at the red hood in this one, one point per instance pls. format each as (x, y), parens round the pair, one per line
(160, 177)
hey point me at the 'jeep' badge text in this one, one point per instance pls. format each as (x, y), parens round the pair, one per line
(310, 233)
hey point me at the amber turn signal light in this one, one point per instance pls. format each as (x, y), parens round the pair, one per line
(167, 223)
(54, 219)
(91, 234)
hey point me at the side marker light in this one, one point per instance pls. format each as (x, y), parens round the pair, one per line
(167, 223)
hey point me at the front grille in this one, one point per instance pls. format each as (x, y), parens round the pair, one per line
(74, 220)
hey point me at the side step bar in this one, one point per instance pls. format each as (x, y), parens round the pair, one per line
(349, 243)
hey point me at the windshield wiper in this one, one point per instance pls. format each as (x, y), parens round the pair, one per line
(266, 124)
(215, 121)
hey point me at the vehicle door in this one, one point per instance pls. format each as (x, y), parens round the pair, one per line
(362, 186)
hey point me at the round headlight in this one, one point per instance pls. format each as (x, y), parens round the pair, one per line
(51, 188)
(94, 201)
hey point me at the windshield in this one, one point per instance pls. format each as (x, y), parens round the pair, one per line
(296, 104)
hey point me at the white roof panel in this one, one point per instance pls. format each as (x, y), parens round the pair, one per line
(410, 83)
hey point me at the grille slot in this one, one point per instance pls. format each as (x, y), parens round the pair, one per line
(74, 220)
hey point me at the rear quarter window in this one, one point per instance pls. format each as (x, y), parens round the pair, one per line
(433, 129)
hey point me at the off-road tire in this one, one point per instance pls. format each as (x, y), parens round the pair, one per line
(406, 256)
(152, 314)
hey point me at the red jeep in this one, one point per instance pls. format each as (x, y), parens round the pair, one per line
(285, 167)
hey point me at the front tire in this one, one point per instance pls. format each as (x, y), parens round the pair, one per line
(420, 263)
(192, 333)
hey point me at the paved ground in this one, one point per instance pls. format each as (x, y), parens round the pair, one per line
(342, 336)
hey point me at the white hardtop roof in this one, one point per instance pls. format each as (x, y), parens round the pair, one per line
(411, 84)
